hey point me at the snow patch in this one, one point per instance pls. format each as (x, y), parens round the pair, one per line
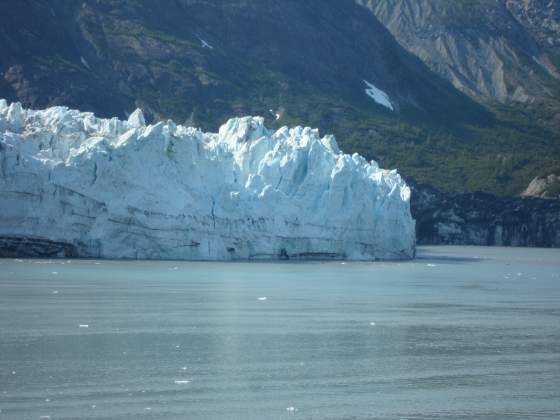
(276, 114)
(205, 44)
(84, 62)
(378, 95)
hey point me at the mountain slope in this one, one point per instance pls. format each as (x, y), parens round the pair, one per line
(206, 56)
(506, 50)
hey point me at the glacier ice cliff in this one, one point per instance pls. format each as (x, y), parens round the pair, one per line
(72, 184)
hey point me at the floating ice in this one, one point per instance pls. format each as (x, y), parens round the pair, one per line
(291, 409)
(55, 292)
(430, 265)
(182, 382)
(84, 326)
(372, 324)
(121, 189)
(262, 298)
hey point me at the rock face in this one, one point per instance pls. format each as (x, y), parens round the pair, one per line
(543, 187)
(73, 184)
(483, 219)
(505, 50)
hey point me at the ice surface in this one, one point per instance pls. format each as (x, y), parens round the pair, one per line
(124, 189)
(378, 95)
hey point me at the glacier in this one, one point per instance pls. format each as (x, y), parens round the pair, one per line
(110, 188)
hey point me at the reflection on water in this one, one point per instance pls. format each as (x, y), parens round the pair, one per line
(458, 333)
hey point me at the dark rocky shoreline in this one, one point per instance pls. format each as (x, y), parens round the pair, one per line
(483, 219)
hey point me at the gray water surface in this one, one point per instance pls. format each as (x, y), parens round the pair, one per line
(459, 333)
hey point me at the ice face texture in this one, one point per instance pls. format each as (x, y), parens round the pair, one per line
(124, 189)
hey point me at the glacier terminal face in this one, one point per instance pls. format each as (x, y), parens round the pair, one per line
(72, 184)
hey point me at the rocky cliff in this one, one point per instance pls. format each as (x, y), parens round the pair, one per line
(483, 219)
(543, 187)
(505, 50)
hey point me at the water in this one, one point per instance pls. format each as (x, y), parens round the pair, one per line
(460, 333)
